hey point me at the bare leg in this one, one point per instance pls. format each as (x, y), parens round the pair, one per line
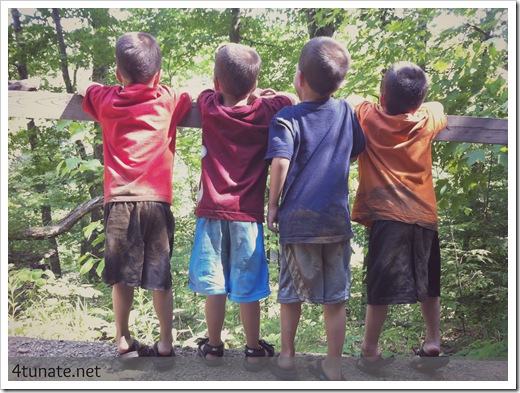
(289, 320)
(215, 315)
(122, 300)
(374, 320)
(163, 304)
(430, 310)
(335, 326)
(250, 316)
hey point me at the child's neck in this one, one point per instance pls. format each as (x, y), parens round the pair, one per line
(149, 84)
(231, 101)
(308, 95)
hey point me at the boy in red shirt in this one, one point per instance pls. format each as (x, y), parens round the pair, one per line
(396, 201)
(139, 122)
(228, 258)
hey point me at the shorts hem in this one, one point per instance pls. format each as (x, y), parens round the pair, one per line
(206, 292)
(385, 302)
(249, 299)
(139, 285)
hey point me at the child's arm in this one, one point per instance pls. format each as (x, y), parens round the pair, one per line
(437, 112)
(279, 168)
(269, 93)
(83, 85)
(355, 100)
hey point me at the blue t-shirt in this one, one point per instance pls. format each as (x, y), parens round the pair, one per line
(318, 138)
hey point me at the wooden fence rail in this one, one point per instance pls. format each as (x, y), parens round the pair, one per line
(48, 105)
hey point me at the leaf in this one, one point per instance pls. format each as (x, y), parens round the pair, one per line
(91, 165)
(475, 156)
(100, 267)
(85, 268)
(62, 124)
(76, 128)
(87, 231)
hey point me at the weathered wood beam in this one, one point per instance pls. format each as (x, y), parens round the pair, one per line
(63, 106)
(48, 105)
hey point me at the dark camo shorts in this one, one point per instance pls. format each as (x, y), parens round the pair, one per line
(403, 263)
(138, 244)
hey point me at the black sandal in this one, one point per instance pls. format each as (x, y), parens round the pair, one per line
(204, 348)
(258, 353)
(162, 362)
(135, 350)
(425, 362)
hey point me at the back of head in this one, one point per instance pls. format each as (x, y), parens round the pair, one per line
(324, 63)
(404, 88)
(236, 69)
(138, 56)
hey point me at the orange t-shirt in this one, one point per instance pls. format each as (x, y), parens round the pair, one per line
(395, 170)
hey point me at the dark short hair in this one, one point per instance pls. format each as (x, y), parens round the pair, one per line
(138, 56)
(324, 63)
(236, 68)
(404, 87)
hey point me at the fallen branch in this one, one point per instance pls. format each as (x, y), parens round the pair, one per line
(63, 225)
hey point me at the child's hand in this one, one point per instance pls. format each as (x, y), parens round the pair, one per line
(267, 92)
(272, 219)
(259, 93)
(83, 85)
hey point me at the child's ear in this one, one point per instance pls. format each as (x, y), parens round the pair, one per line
(216, 84)
(118, 76)
(301, 78)
(157, 78)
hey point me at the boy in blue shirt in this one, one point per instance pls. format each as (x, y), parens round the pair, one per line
(311, 145)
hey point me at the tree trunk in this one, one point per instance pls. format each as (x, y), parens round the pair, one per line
(63, 50)
(46, 213)
(54, 258)
(21, 63)
(317, 29)
(234, 35)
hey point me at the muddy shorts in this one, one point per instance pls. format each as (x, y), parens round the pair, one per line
(315, 273)
(403, 264)
(138, 244)
(228, 258)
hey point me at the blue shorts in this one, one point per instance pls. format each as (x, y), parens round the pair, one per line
(228, 258)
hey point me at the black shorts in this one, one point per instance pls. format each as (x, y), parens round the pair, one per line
(138, 244)
(403, 263)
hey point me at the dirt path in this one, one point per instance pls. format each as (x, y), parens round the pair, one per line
(101, 358)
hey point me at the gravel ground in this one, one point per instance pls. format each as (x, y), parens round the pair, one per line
(102, 357)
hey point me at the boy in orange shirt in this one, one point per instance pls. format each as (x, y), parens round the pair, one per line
(396, 201)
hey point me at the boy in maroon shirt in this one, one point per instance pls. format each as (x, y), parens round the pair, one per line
(228, 258)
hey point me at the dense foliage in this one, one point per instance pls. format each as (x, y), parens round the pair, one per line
(54, 166)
